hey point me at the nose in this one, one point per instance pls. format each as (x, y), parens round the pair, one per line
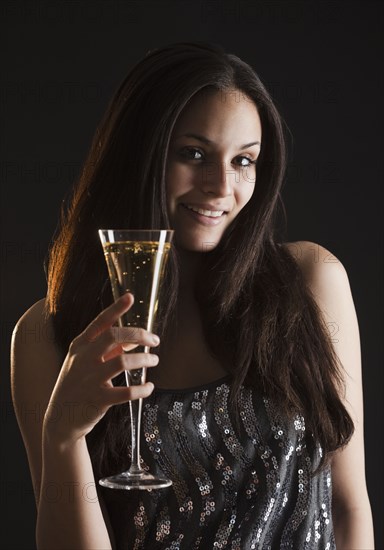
(217, 178)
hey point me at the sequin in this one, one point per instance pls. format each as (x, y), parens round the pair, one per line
(237, 483)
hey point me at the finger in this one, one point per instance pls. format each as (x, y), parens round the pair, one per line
(107, 317)
(119, 395)
(129, 362)
(118, 350)
(120, 339)
(131, 337)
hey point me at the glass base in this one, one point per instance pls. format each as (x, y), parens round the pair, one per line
(129, 481)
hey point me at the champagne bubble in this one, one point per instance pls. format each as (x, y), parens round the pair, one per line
(131, 266)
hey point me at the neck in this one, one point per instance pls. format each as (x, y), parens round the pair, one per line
(190, 263)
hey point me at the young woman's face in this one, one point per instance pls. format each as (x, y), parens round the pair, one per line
(211, 166)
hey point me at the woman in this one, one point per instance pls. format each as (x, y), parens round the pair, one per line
(256, 414)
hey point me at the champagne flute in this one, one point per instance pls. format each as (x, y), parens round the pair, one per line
(136, 262)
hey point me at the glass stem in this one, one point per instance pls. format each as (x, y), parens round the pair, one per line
(135, 378)
(135, 408)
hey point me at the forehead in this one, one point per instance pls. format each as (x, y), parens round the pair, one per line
(220, 112)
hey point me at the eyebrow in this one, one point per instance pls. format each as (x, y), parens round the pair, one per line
(210, 142)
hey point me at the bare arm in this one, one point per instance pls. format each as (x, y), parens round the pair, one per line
(328, 281)
(69, 514)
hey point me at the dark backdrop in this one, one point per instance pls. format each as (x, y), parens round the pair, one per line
(322, 62)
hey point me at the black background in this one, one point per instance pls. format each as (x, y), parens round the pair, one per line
(322, 62)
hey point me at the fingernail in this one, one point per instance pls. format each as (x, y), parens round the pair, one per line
(155, 359)
(155, 339)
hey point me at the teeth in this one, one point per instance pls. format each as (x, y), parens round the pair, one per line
(210, 213)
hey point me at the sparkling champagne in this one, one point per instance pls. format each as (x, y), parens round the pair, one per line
(136, 262)
(137, 267)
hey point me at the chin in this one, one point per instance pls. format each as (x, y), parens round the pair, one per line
(193, 245)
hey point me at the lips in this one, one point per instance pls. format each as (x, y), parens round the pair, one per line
(202, 218)
(208, 211)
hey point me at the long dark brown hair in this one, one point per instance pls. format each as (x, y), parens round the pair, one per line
(259, 317)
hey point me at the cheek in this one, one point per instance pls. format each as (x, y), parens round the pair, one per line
(247, 186)
(178, 180)
(170, 184)
(245, 194)
(174, 185)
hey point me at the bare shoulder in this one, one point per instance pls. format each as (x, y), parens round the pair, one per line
(35, 315)
(313, 257)
(328, 282)
(35, 366)
(35, 359)
(33, 334)
(323, 272)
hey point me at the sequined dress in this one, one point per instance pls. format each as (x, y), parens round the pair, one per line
(236, 485)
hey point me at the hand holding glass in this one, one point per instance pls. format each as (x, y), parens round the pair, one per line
(136, 263)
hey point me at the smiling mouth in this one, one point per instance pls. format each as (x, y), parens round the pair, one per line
(206, 213)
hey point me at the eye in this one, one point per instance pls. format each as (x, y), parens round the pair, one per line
(244, 161)
(191, 153)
